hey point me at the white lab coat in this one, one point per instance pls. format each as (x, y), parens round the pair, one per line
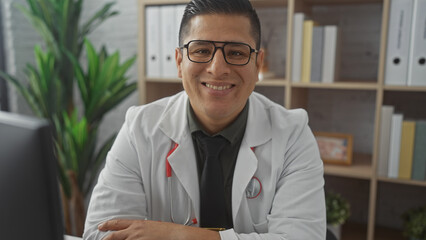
(285, 159)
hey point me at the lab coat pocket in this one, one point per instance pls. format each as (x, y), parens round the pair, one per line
(261, 227)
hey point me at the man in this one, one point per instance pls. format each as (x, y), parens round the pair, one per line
(216, 155)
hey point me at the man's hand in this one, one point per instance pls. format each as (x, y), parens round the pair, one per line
(153, 230)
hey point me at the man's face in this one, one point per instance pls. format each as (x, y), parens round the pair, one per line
(217, 90)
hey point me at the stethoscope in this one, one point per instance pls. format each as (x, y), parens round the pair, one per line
(188, 220)
(253, 190)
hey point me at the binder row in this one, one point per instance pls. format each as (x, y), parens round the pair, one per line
(402, 152)
(406, 43)
(315, 51)
(161, 38)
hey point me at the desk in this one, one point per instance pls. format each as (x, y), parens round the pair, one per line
(66, 237)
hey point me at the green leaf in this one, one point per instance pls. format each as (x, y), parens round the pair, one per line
(93, 60)
(99, 16)
(42, 28)
(96, 165)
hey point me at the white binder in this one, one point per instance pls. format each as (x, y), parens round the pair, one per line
(395, 145)
(398, 43)
(296, 70)
(385, 131)
(152, 41)
(330, 54)
(168, 41)
(417, 60)
(179, 10)
(317, 52)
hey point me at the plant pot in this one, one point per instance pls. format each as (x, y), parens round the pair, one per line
(336, 230)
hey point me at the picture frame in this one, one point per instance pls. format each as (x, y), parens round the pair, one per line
(335, 148)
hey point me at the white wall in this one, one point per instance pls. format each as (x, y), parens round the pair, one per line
(117, 33)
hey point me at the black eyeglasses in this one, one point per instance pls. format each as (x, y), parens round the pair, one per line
(203, 51)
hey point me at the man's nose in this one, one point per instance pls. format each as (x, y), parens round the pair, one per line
(218, 65)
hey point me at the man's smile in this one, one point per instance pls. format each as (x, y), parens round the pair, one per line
(218, 88)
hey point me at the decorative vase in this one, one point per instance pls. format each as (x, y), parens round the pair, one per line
(336, 229)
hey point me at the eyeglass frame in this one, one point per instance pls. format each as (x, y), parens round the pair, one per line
(252, 50)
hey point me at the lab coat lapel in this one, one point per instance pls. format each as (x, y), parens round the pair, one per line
(184, 168)
(258, 132)
(244, 170)
(174, 124)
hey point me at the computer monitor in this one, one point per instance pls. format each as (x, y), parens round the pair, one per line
(30, 206)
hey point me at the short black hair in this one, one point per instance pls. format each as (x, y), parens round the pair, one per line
(232, 7)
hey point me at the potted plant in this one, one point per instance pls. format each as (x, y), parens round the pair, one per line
(49, 92)
(414, 223)
(338, 211)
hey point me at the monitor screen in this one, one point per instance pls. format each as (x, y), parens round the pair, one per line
(30, 205)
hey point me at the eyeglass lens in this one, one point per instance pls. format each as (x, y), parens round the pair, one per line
(235, 53)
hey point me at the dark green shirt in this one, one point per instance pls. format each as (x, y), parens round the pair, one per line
(234, 133)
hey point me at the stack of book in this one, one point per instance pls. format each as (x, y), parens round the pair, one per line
(315, 51)
(402, 152)
(406, 43)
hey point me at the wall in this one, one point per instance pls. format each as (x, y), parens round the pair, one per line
(117, 33)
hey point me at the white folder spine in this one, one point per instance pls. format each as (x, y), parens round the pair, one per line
(395, 145)
(152, 41)
(329, 54)
(296, 71)
(317, 52)
(385, 130)
(398, 43)
(417, 61)
(168, 41)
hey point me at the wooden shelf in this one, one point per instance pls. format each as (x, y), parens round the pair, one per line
(403, 181)
(276, 82)
(269, 3)
(360, 168)
(337, 85)
(405, 88)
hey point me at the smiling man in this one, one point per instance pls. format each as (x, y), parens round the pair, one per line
(216, 161)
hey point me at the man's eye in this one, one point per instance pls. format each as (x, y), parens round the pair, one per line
(236, 54)
(201, 51)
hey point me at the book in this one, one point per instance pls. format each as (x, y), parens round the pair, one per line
(417, 56)
(152, 42)
(395, 145)
(398, 42)
(296, 69)
(419, 155)
(330, 54)
(308, 27)
(317, 52)
(406, 153)
(384, 140)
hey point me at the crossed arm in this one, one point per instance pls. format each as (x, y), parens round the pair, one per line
(154, 230)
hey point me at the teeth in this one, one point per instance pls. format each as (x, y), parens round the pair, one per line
(219, 88)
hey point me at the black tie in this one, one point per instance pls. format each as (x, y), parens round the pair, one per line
(212, 192)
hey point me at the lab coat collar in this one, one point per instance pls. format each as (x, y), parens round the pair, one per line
(174, 122)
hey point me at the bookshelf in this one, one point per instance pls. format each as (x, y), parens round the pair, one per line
(361, 85)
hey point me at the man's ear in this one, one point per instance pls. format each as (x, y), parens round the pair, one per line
(178, 58)
(259, 59)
